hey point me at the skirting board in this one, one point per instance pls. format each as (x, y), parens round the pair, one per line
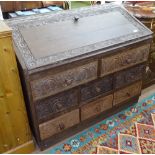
(25, 148)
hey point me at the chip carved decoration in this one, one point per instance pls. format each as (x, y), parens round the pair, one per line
(92, 90)
(38, 20)
(53, 84)
(45, 108)
(125, 59)
(128, 76)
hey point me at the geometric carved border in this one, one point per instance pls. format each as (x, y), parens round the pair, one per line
(43, 19)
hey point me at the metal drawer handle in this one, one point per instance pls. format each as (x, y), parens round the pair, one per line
(132, 76)
(98, 89)
(128, 60)
(68, 81)
(128, 94)
(58, 106)
(76, 18)
(97, 109)
(61, 126)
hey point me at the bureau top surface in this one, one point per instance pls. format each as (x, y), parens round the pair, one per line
(54, 39)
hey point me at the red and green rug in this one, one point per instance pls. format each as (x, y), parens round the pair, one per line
(138, 140)
(129, 131)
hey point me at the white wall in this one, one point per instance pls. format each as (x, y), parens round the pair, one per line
(1, 16)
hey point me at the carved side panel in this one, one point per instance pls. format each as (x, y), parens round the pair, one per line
(96, 107)
(128, 92)
(128, 76)
(52, 105)
(125, 59)
(94, 89)
(53, 84)
(59, 124)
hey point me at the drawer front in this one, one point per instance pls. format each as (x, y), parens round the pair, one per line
(94, 108)
(59, 124)
(46, 107)
(128, 76)
(125, 59)
(53, 84)
(127, 93)
(97, 88)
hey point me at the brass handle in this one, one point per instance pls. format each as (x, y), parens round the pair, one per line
(61, 126)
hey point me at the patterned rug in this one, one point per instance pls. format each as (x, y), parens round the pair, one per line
(130, 127)
(141, 140)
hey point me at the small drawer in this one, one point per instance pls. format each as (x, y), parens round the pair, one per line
(127, 93)
(125, 59)
(52, 84)
(128, 76)
(96, 107)
(49, 106)
(94, 89)
(59, 124)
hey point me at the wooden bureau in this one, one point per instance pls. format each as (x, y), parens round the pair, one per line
(77, 65)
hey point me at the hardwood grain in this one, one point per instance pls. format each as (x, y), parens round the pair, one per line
(127, 93)
(125, 59)
(49, 106)
(96, 107)
(14, 128)
(129, 76)
(97, 88)
(53, 84)
(78, 65)
(59, 124)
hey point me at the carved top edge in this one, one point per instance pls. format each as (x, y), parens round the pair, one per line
(56, 59)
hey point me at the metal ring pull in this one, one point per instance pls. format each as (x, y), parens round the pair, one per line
(76, 19)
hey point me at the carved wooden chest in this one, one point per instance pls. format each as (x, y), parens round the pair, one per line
(78, 65)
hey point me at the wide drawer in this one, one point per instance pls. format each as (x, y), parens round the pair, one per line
(125, 59)
(93, 89)
(128, 92)
(49, 106)
(96, 107)
(53, 84)
(59, 124)
(128, 76)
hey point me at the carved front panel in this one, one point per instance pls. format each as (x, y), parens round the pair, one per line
(59, 124)
(128, 92)
(52, 105)
(53, 84)
(128, 76)
(96, 107)
(97, 88)
(124, 59)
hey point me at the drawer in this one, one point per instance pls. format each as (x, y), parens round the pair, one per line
(128, 76)
(49, 106)
(128, 92)
(96, 107)
(125, 59)
(56, 83)
(91, 90)
(59, 124)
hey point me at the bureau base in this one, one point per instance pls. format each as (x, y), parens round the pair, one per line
(86, 124)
